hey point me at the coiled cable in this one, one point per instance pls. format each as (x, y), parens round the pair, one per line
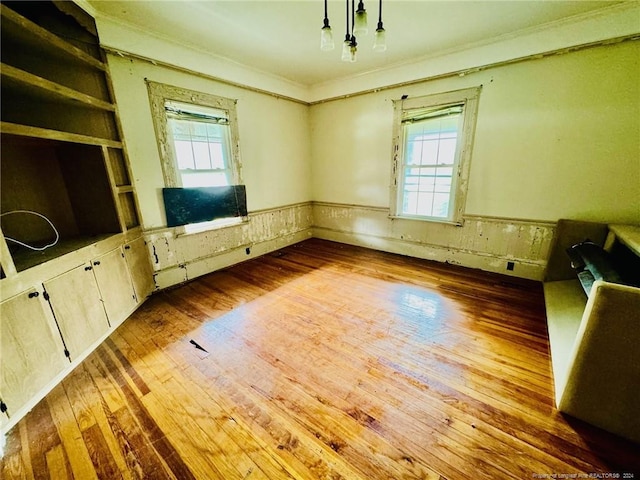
(38, 249)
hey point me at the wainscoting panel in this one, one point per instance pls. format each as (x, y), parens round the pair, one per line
(513, 247)
(178, 257)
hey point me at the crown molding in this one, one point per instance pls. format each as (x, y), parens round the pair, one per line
(613, 23)
(619, 21)
(129, 39)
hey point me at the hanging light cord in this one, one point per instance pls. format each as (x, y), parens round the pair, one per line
(38, 249)
(353, 26)
(347, 37)
(380, 16)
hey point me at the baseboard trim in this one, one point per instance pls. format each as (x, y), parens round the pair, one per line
(528, 269)
(187, 271)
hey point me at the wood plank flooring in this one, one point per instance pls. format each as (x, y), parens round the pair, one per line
(320, 361)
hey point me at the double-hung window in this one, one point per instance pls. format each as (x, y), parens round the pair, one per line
(433, 137)
(201, 141)
(198, 143)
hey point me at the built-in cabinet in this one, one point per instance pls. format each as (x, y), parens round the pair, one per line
(137, 258)
(73, 263)
(33, 352)
(77, 307)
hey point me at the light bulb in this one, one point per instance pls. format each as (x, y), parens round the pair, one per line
(353, 48)
(326, 39)
(380, 41)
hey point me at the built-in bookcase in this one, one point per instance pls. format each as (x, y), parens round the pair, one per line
(62, 154)
(62, 158)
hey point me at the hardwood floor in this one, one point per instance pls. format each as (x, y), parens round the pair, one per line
(319, 361)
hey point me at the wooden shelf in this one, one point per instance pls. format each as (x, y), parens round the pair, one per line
(14, 78)
(45, 133)
(30, 33)
(24, 259)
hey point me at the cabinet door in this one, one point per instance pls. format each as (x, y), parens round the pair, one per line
(115, 286)
(75, 299)
(32, 350)
(140, 268)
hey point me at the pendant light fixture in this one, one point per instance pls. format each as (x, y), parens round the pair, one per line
(326, 36)
(346, 45)
(356, 26)
(353, 46)
(380, 40)
(360, 28)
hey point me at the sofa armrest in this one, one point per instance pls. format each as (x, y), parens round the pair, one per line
(604, 368)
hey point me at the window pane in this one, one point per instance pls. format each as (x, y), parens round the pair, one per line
(217, 155)
(214, 131)
(425, 203)
(184, 155)
(427, 185)
(429, 152)
(410, 203)
(440, 205)
(201, 152)
(443, 180)
(180, 129)
(447, 151)
(415, 171)
(199, 131)
(201, 145)
(204, 179)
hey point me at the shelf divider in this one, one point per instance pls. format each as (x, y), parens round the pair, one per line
(51, 89)
(45, 133)
(51, 40)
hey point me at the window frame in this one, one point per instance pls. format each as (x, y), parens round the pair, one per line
(225, 143)
(159, 95)
(469, 98)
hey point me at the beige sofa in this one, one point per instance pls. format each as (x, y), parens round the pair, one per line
(595, 339)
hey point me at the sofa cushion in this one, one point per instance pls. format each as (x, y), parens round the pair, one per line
(592, 262)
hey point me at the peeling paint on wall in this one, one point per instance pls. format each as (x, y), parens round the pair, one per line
(180, 256)
(162, 249)
(482, 242)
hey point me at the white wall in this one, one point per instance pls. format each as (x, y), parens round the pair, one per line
(556, 137)
(274, 138)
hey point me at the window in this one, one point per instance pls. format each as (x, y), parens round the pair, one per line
(198, 141)
(201, 145)
(432, 144)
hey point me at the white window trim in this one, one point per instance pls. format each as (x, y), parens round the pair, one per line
(159, 94)
(469, 97)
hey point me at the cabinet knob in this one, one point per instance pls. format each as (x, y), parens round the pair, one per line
(88, 268)
(34, 294)
(96, 263)
(127, 247)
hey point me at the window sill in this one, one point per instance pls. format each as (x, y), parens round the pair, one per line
(455, 223)
(213, 225)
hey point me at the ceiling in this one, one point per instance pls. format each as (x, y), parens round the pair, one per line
(282, 38)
